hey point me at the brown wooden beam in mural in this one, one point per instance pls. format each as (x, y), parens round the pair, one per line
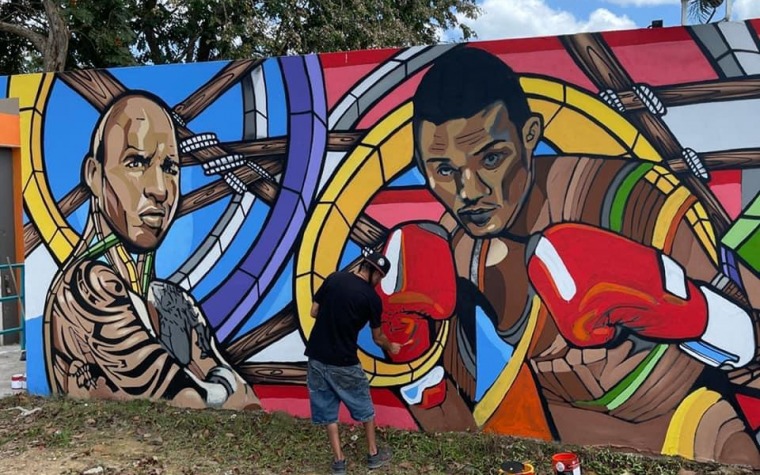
(277, 327)
(596, 59)
(70, 202)
(207, 94)
(264, 189)
(336, 142)
(725, 160)
(273, 373)
(98, 87)
(690, 94)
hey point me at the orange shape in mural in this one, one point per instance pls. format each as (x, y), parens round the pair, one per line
(521, 412)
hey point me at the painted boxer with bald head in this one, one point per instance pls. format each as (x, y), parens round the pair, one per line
(111, 329)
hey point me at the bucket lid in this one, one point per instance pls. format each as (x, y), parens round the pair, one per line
(512, 467)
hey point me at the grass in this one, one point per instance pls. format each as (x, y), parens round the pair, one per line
(68, 437)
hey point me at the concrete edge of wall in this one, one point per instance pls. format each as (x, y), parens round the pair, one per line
(10, 137)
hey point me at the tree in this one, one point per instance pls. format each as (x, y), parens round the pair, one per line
(201, 30)
(50, 35)
(703, 11)
(40, 30)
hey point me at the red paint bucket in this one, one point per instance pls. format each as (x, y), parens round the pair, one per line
(516, 468)
(566, 463)
(18, 382)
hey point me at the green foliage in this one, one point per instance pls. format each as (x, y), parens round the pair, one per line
(17, 53)
(101, 34)
(106, 33)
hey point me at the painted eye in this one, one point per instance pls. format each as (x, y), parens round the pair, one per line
(137, 161)
(445, 170)
(492, 160)
(170, 167)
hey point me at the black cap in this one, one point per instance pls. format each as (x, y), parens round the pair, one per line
(379, 261)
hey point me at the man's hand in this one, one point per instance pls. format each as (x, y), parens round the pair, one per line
(395, 348)
(595, 282)
(381, 340)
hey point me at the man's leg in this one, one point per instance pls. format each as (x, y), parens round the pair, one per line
(369, 430)
(324, 404)
(334, 435)
(353, 390)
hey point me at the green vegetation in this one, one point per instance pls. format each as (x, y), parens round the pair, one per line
(66, 436)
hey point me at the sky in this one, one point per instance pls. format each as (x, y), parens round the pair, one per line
(525, 18)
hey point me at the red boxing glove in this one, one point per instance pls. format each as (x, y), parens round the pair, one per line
(420, 286)
(593, 280)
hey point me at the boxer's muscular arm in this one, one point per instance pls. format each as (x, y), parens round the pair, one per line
(206, 363)
(595, 282)
(217, 370)
(107, 327)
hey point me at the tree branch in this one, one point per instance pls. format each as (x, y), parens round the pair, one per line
(37, 39)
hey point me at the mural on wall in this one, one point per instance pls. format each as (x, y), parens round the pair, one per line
(574, 222)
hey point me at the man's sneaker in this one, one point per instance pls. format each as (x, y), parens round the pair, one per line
(339, 467)
(382, 457)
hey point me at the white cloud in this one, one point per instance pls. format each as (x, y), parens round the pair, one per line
(643, 3)
(745, 9)
(525, 18)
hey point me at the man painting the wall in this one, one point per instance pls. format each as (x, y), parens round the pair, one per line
(111, 329)
(342, 306)
(623, 314)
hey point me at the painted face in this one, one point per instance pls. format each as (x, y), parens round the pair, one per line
(480, 167)
(137, 185)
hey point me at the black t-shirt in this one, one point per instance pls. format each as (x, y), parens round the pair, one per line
(346, 303)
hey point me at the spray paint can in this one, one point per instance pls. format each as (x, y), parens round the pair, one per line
(516, 468)
(566, 463)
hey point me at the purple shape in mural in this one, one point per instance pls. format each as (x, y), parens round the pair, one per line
(234, 300)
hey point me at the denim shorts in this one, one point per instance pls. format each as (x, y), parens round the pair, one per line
(330, 385)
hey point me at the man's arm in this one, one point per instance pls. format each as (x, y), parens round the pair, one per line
(383, 342)
(319, 295)
(109, 326)
(205, 360)
(595, 282)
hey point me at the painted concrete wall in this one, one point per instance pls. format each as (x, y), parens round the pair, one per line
(573, 223)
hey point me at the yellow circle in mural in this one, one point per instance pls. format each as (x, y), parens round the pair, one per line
(33, 91)
(575, 122)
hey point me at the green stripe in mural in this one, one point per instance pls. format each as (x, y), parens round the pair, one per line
(744, 235)
(623, 390)
(97, 249)
(622, 194)
(628, 385)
